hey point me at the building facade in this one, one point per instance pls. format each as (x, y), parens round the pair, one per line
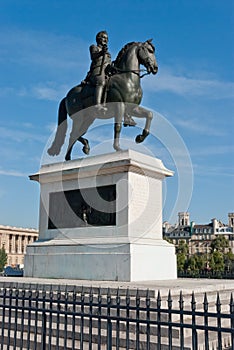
(15, 240)
(199, 236)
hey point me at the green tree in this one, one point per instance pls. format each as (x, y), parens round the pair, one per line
(167, 239)
(196, 263)
(217, 261)
(3, 258)
(192, 264)
(182, 252)
(201, 261)
(182, 247)
(219, 244)
(181, 260)
(229, 261)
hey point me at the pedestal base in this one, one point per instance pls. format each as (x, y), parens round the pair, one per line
(137, 261)
(101, 219)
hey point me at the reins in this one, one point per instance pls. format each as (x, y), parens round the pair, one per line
(135, 71)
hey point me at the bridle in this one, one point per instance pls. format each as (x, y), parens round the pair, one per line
(146, 60)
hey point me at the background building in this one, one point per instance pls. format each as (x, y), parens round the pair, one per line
(199, 236)
(15, 240)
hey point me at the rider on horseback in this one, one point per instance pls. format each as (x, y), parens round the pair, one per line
(101, 69)
(100, 58)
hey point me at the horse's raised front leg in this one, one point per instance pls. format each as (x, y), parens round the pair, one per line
(141, 112)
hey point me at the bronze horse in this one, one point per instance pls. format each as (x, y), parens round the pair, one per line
(123, 88)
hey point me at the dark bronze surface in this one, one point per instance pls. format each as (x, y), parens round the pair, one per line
(69, 209)
(105, 83)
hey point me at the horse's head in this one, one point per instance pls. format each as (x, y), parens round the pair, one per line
(146, 56)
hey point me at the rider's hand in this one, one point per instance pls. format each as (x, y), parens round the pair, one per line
(104, 48)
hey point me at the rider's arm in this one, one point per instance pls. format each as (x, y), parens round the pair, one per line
(95, 52)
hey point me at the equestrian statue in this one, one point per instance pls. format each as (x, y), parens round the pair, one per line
(110, 90)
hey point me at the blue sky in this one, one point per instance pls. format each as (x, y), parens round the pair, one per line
(44, 52)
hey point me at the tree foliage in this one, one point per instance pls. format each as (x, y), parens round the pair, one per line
(220, 260)
(3, 258)
(219, 244)
(181, 260)
(217, 261)
(182, 247)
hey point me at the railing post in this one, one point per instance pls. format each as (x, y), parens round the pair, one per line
(117, 321)
(205, 306)
(74, 295)
(109, 335)
(109, 324)
(65, 318)
(181, 306)
(82, 301)
(51, 297)
(232, 319)
(148, 320)
(16, 316)
(43, 342)
(169, 303)
(43, 332)
(9, 318)
(36, 317)
(22, 318)
(3, 316)
(218, 308)
(137, 320)
(194, 331)
(159, 320)
(58, 300)
(99, 319)
(29, 316)
(90, 317)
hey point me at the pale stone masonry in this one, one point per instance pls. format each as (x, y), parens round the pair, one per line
(83, 238)
(15, 241)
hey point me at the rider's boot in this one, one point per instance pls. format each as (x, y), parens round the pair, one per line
(98, 98)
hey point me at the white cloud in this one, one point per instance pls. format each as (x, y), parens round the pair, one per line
(12, 173)
(20, 136)
(42, 49)
(184, 85)
(49, 92)
(197, 126)
(218, 171)
(213, 150)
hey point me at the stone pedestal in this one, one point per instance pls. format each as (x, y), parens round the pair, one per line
(101, 219)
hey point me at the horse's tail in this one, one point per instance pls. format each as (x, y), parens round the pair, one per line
(59, 139)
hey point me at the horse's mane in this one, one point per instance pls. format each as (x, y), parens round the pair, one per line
(122, 52)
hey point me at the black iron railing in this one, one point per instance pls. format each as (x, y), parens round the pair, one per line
(206, 274)
(36, 319)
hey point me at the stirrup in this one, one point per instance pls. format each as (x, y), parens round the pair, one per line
(101, 107)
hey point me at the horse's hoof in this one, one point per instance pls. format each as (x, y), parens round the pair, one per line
(117, 148)
(67, 157)
(139, 139)
(142, 137)
(86, 149)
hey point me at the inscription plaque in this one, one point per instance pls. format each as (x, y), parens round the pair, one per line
(79, 208)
